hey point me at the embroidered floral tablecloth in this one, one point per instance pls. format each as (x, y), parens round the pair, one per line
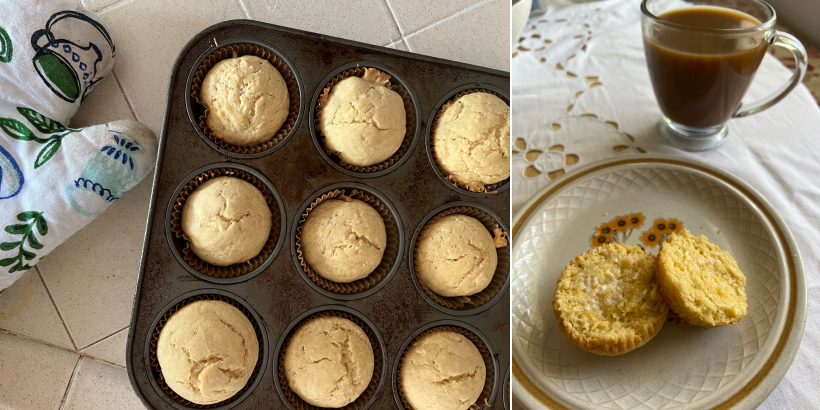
(581, 93)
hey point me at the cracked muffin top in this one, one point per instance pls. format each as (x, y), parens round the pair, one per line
(207, 351)
(455, 256)
(247, 98)
(343, 240)
(329, 361)
(442, 370)
(227, 220)
(471, 140)
(362, 120)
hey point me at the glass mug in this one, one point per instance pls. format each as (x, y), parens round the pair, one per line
(700, 74)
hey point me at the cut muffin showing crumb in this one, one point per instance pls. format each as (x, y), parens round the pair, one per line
(701, 282)
(607, 301)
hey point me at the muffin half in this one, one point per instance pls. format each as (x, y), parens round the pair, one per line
(701, 282)
(607, 301)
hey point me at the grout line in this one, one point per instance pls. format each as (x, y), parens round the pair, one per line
(406, 44)
(70, 382)
(456, 14)
(395, 20)
(104, 361)
(127, 102)
(112, 6)
(56, 308)
(77, 352)
(244, 10)
(98, 341)
(38, 341)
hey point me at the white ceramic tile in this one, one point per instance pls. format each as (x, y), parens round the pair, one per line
(477, 36)
(26, 309)
(34, 375)
(97, 5)
(110, 349)
(368, 21)
(106, 103)
(92, 275)
(149, 35)
(101, 386)
(413, 15)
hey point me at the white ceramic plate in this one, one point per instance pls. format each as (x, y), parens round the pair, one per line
(684, 366)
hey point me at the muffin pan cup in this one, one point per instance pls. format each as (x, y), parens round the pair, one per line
(380, 365)
(180, 243)
(278, 290)
(500, 283)
(239, 47)
(488, 393)
(393, 252)
(395, 83)
(442, 105)
(152, 363)
(507, 390)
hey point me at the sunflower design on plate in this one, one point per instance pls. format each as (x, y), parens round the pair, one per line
(620, 228)
(660, 230)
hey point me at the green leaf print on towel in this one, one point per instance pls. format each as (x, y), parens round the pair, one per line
(32, 221)
(18, 130)
(6, 49)
(41, 122)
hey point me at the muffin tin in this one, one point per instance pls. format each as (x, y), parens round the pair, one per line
(278, 294)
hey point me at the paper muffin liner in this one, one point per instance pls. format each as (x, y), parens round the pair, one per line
(239, 50)
(409, 109)
(156, 371)
(236, 269)
(368, 392)
(490, 188)
(502, 270)
(486, 392)
(391, 249)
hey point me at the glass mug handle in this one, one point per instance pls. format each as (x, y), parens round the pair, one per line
(792, 44)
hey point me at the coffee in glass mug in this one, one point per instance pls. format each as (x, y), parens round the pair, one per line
(702, 57)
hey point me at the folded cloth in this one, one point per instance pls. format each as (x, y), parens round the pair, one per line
(54, 180)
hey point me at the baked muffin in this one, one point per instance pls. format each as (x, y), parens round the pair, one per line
(701, 282)
(455, 256)
(329, 362)
(247, 98)
(207, 351)
(442, 370)
(607, 301)
(471, 140)
(343, 241)
(227, 221)
(362, 120)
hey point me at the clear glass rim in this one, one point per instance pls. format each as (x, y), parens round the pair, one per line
(760, 27)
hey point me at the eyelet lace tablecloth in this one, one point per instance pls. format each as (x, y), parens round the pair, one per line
(581, 93)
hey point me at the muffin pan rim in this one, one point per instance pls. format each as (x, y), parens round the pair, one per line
(190, 102)
(171, 240)
(315, 135)
(441, 323)
(265, 343)
(394, 213)
(428, 136)
(411, 254)
(277, 351)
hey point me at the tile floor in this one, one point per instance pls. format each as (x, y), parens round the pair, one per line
(64, 324)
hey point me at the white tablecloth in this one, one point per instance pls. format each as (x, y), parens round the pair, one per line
(581, 93)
